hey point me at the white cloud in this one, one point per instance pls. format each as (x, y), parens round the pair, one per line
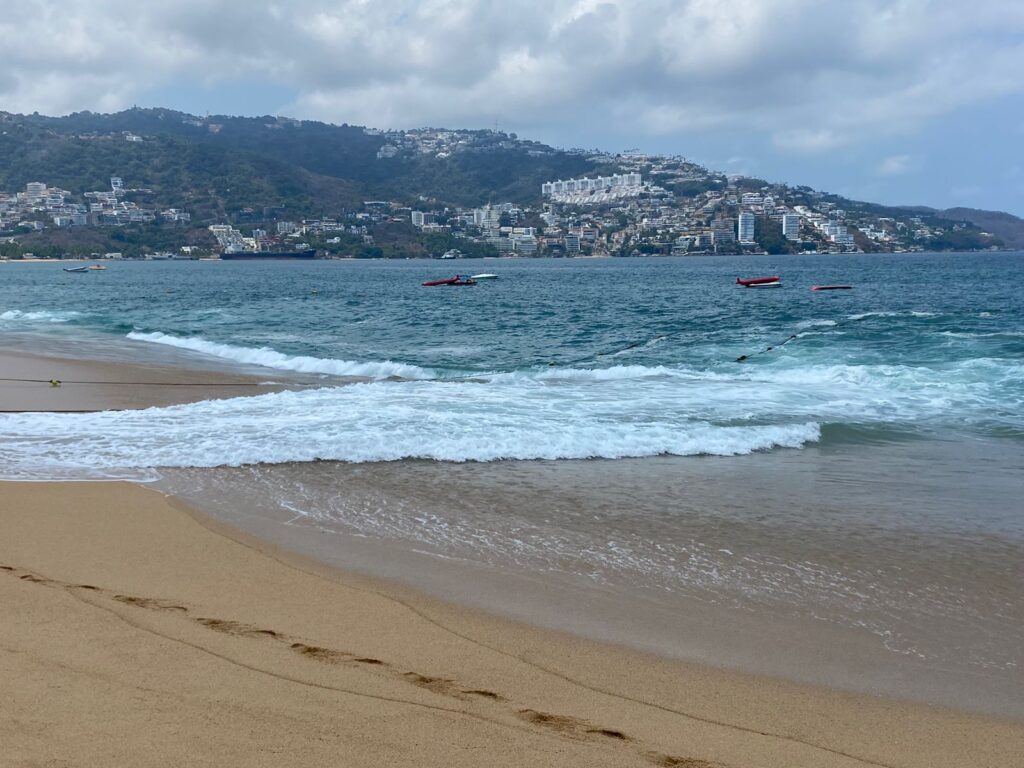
(896, 165)
(811, 75)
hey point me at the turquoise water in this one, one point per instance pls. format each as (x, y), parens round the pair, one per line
(603, 358)
(863, 477)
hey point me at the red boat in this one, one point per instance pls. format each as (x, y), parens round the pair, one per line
(831, 287)
(457, 280)
(759, 282)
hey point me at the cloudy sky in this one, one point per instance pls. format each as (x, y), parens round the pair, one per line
(898, 101)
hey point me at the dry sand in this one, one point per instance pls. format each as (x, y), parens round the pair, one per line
(24, 384)
(135, 632)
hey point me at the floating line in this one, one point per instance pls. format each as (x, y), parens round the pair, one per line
(59, 382)
(793, 336)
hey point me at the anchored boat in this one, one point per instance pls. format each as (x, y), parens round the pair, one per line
(268, 255)
(774, 281)
(459, 280)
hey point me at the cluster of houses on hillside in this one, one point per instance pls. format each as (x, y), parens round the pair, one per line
(631, 204)
(39, 206)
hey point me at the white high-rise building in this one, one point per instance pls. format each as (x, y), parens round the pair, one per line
(791, 226)
(492, 217)
(524, 244)
(417, 218)
(587, 184)
(745, 227)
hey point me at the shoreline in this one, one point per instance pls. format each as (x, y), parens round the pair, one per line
(734, 709)
(803, 643)
(127, 599)
(89, 385)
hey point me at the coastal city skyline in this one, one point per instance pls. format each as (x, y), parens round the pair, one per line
(639, 205)
(900, 103)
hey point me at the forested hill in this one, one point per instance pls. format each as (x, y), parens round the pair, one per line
(1005, 226)
(218, 163)
(257, 170)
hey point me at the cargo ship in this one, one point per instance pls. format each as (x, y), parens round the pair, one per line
(268, 255)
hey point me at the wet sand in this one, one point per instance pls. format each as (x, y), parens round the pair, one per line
(685, 557)
(138, 632)
(92, 385)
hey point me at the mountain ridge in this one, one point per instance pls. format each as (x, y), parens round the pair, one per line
(260, 169)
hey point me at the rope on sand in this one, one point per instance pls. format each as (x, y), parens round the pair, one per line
(59, 382)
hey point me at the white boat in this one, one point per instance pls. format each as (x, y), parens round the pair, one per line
(484, 276)
(76, 269)
(97, 267)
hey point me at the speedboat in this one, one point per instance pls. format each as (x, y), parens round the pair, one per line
(484, 276)
(457, 280)
(76, 269)
(773, 281)
(97, 267)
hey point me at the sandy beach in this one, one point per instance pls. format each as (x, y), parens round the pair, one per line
(90, 385)
(137, 631)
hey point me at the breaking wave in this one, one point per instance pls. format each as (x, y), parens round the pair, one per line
(379, 421)
(270, 358)
(19, 316)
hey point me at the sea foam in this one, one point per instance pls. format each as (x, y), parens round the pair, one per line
(17, 315)
(385, 421)
(270, 358)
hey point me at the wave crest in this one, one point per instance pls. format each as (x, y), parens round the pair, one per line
(380, 421)
(17, 315)
(271, 358)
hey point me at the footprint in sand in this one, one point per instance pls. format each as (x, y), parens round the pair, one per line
(485, 694)
(235, 628)
(569, 726)
(670, 761)
(150, 603)
(440, 685)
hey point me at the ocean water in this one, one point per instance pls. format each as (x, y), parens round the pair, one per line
(588, 421)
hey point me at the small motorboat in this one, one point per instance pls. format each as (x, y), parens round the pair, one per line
(457, 280)
(483, 276)
(831, 287)
(97, 267)
(774, 281)
(76, 269)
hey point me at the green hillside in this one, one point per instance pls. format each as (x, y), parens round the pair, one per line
(223, 163)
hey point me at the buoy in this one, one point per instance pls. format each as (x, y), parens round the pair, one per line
(54, 383)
